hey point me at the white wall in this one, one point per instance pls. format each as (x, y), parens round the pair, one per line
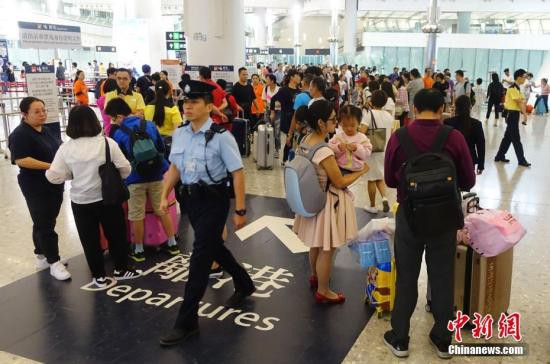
(525, 6)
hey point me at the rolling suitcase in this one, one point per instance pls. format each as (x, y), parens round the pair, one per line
(241, 132)
(264, 146)
(254, 146)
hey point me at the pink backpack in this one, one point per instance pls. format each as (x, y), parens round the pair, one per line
(491, 232)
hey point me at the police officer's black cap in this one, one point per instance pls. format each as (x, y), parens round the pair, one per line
(197, 89)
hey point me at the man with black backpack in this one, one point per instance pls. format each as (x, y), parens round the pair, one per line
(143, 146)
(428, 163)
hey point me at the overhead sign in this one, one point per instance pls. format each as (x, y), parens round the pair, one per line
(252, 51)
(175, 36)
(176, 46)
(105, 49)
(173, 67)
(264, 51)
(317, 51)
(279, 226)
(41, 83)
(192, 71)
(285, 51)
(49, 36)
(175, 41)
(4, 59)
(223, 72)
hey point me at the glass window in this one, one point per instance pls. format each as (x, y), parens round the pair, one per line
(469, 62)
(442, 58)
(390, 59)
(508, 59)
(535, 61)
(522, 59)
(417, 59)
(455, 59)
(403, 57)
(495, 61)
(481, 69)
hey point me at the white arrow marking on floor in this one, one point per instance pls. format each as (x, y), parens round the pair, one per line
(279, 228)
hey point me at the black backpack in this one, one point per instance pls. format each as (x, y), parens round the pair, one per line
(432, 199)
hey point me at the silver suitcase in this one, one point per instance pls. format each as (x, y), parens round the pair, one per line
(265, 147)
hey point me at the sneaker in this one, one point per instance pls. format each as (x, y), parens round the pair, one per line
(122, 275)
(398, 348)
(216, 273)
(441, 349)
(172, 250)
(41, 262)
(386, 206)
(137, 257)
(372, 210)
(59, 271)
(100, 282)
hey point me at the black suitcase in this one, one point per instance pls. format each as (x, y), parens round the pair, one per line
(241, 133)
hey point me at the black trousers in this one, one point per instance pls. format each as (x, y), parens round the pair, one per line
(87, 218)
(543, 98)
(492, 104)
(207, 213)
(440, 258)
(44, 208)
(286, 120)
(511, 136)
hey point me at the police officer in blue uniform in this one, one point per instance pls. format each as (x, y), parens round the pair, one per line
(202, 157)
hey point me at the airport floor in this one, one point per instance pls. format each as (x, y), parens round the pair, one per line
(522, 191)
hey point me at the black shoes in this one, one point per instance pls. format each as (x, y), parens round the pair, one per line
(442, 349)
(176, 336)
(524, 164)
(399, 348)
(503, 160)
(238, 298)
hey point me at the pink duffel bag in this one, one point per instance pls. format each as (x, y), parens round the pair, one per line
(491, 232)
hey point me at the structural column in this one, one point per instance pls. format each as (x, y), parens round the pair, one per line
(260, 28)
(350, 27)
(215, 32)
(464, 21)
(333, 31)
(136, 33)
(431, 29)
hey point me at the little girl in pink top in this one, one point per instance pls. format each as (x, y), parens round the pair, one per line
(350, 147)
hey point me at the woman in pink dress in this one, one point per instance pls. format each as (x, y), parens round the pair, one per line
(336, 223)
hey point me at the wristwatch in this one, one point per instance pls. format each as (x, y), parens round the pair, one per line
(241, 212)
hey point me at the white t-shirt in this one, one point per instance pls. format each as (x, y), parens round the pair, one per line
(343, 87)
(78, 160)
(509, 79)
(267, 95)
(348, 76)
(390, 107)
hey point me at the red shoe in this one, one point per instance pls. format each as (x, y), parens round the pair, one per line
(323, 299)
(313, 282)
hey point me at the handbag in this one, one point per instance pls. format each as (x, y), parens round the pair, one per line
(113, 188)
(377, 136)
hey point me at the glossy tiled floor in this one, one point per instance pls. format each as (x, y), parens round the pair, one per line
(522, 191)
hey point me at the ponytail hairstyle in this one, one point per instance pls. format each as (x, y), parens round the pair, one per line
(463, 106)
(162, 89)
(350, 112)
(76, 75)
(318, 110)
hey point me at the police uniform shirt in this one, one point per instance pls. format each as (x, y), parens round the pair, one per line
(188, 154)
(25, 141)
